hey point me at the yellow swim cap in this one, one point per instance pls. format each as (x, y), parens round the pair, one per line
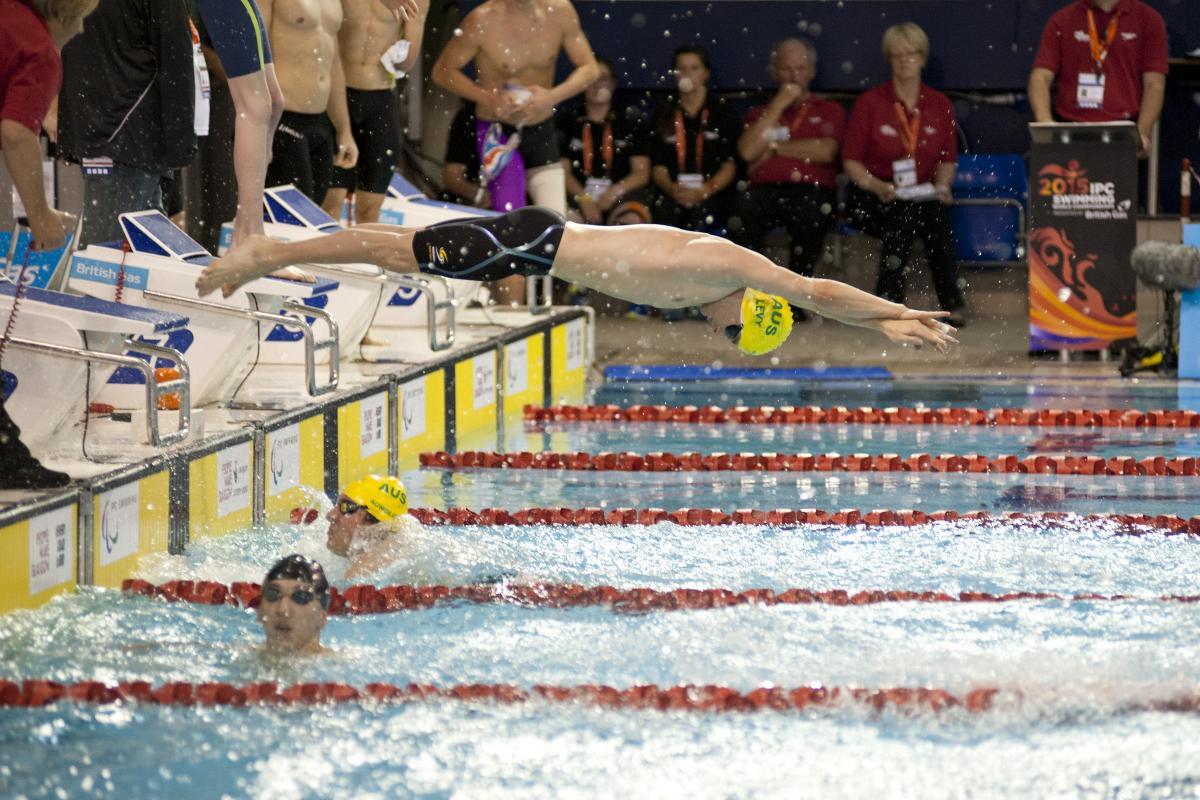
(766, 322)
(383, 496)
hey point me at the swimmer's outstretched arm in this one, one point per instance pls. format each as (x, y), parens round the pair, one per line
(829, 298)
(387, 246)
(845, 303)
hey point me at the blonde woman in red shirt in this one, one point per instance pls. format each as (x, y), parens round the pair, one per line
(900, 152)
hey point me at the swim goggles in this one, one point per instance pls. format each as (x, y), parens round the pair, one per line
(346, 507)
(301, 597)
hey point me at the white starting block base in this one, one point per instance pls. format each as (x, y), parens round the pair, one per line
(410, 345)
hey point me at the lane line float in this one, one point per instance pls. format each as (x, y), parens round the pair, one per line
(368, 599)
(807, 462)
(867, 415)
(705, 698)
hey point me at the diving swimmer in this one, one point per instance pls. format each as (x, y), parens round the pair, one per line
(744, 295)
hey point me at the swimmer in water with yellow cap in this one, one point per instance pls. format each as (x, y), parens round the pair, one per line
(363, 524)
(744, 295)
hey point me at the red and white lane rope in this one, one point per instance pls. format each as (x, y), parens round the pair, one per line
(865, 415)
(808, 462)
(708, 698)
(368, 599)
(1129, 524)
(37, 693)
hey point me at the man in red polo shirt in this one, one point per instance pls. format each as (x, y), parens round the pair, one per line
(791, 146)
(30, 74)
(1107, 60)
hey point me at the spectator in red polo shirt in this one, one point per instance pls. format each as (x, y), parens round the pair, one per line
(31, 35)
(791, 146)
(1107, 61)
(901, 151)
(30, 75)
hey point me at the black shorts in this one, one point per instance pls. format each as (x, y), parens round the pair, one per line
(539, 143)
(375, 122)
(302, 153)
(521, 242)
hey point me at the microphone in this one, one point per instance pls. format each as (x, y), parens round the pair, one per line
(1166, 266)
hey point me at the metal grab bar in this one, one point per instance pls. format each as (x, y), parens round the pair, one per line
(1010, 202)
(546, 284)
(311, 343)
(154, 390)
(425, 284)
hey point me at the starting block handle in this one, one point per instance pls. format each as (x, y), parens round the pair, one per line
(425, 284)
(312, 345)
(543, 304)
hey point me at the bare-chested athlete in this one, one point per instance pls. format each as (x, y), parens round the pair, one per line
(515, 45)
(743, 294)
(370, 34)
(304, 40)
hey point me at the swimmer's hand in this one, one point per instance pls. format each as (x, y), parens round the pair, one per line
(403, 9)
(240, 265)
(537, 106)
(917, 331)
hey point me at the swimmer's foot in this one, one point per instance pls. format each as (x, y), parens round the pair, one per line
(294, 274)
(235, 268)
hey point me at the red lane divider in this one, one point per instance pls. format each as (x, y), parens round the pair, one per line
(791, 415)
(1131, 523)
(807, 462)
(37, 693)
(367, 599)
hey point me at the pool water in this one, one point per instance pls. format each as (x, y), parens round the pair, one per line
(1078, 665)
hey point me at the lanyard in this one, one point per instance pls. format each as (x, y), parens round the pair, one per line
(1100, 51)
(681, 143)
(606, 148)
(798, 120)
(909, 128)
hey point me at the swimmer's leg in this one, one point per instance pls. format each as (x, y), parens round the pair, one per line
(386, 246)
(258, 101)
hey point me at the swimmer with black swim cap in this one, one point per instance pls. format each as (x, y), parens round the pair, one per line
(744, 295)
(293, 606)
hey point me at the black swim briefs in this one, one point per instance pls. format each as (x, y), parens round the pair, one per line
(521, 242)
(375, 122)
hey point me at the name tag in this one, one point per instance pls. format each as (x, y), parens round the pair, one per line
(904, 172)
(691, 180)
(203, 92)
(1090, 91)
(779, 133)
(595, 187)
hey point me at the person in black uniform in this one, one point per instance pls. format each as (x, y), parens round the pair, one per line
(606, 153)
(695, 138)
(461, 182)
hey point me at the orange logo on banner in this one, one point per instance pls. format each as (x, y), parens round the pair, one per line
(1062, 301)
(1055, 179)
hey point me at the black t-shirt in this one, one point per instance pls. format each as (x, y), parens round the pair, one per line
(714, 132)
(462, 147)
(629, 138)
